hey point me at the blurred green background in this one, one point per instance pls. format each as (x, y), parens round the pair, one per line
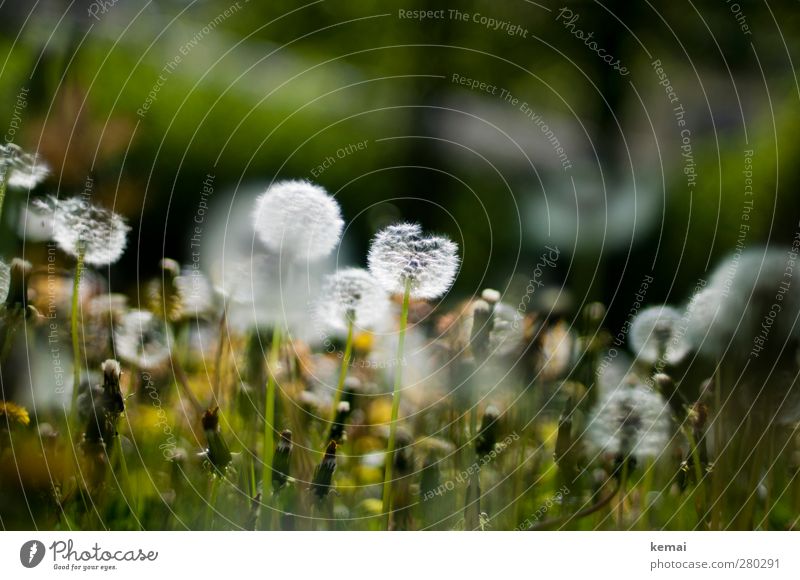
(149, 98)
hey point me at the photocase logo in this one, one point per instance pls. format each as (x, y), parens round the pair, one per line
(31, 553)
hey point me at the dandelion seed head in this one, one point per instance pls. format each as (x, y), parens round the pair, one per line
(21, 170)
(352, 293)
(77, 223)
(630, 421)
(400, 254)
(195, 292)
(141, 339)
(729, 312)
(653, 333)
(298, 219)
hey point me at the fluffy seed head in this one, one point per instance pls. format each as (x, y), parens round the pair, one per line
(141, 339)
(352, 294)
(195, 292)
(400, 254)
(653, 333)
(77, 223)
(630, 421)
(298, 219)
(21, 170)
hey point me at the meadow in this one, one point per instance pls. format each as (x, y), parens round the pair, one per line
(268, 396)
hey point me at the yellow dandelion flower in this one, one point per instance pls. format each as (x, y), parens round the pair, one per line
(11, 413)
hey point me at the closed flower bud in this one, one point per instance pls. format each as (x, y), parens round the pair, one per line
(321, 485)
(487, 433)
(282, 461)
(217, 453)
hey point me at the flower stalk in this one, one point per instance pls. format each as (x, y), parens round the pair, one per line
(398, 380)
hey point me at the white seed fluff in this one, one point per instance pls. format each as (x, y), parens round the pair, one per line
(142, 339)
(630, 421)
(401, 254)
(77, 223)
(21, 170)
(653, 333)
(298, 219)
(195, 292)
(352, 293)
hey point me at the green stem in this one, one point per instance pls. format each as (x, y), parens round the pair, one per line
(269, 411)
(348, 351)
(76, 351)
(716, 482)
(621, 501)
(398, 380)
(212, 501)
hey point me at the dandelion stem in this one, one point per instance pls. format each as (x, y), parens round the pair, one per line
(547, 524)
(623, 481)
(398, 380)
(212, 501)
(76, 351)
(716, 482)
(269, 410)
(217, 394)
(348, 351)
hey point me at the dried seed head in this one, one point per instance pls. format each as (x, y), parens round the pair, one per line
(80, 226)
(400, 254)
(630, 422)
(142, 339)
(298, 219)
(21, 170)
(352, 294)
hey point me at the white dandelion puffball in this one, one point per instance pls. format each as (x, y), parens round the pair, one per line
(654, 334)
(630, 421)
(401, 254)
(298, 219)
(142, 339)
(705, 328)
(195, 292)
(21, 170)
(5, 280)
(352, 293)
(102, 234)
(738, 303)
